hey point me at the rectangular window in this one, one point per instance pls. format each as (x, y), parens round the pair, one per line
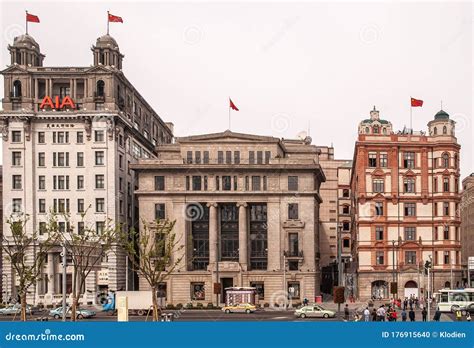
(80, 137)
(99, 205)
(16, 205)
(120, 162)
(383, 160)
(264, 180)
(99, 158)
(217, 183)
(80, 182)
(80, 228)
(372, 159)
(80, 159)
(379, 233)
(294, 289)
(41, 182)
(293, 211)
(99, 227)
(99, 181)
(226, 183)
(42, 228)
(42, 205)
(198, 292)
(160, 212)
(378, 185)
(228, 157)
(379, 208)
(293, 245)
(247, 183)
(292, 183)
(410, 233)
(205, 183)
(409, 160)
(41, 138)
(236, 157)
(445, 184)
(60, 137)
(410, 257)
(446, 208)
(16, 158)
(16, 136)
(259, 157)
(80, 205)
(379, 257)
(235, 183)
(220, 157)
(409, 209)
(409, 185)
(188, 183)
(256, 183)
(260, 289)
(206, 157)
(159, 183)
(41, 159)
(189, 157)
(197, 157)
(251, 157)
(446, 260)
(16, 182)
(197, 183)
(446, 232)
(99, 136)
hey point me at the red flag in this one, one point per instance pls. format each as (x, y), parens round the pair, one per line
(32, 18)
(416, 102)
(115, 19)
(232, 105)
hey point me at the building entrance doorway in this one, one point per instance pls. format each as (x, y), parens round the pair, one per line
(226, 283)
(411, 289)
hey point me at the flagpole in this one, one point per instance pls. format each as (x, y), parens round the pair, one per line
(229, 114)
(107, 22)
(411, 116)
(26, 21)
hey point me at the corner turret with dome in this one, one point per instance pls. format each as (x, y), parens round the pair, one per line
(375, 125)
(442, 125)
(107, 52)
(25, 51)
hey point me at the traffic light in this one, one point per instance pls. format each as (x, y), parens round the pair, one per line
(338, 294)
(427, 266)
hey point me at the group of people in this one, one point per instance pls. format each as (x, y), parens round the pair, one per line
(389, 313)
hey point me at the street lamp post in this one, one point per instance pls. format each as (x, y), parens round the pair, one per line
(64, 255)
(339, 255)
(284, 279)
(393, 266)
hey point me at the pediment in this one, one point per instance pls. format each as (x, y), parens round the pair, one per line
(15, 68)
(409, 172)
(378, 172)
(99, 69)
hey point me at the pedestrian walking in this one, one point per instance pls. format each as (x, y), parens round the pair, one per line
(468, 316)
(393, 315)
(374, 315)
(424, 314)
(346, 312)
(366, 314)
(411, 314)
(404, 315)
(437, 314)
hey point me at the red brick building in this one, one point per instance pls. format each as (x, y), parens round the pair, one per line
(405, 191)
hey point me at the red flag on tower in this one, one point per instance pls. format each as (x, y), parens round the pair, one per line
(32, 18)
(416, 102)
(115, 19)
(232, 105)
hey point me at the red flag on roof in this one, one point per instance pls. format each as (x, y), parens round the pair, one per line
(232, 105)
(115, 19)
(32, 18)
(416, 102)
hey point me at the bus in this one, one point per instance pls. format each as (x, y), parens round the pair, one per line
(449, 300)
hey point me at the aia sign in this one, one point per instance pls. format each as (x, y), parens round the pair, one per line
(56, 103)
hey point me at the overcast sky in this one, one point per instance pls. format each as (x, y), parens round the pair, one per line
(285, 64)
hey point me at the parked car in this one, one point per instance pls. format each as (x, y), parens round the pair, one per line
(240, 308)
(314, 311)
(13, 309)
(80, 313)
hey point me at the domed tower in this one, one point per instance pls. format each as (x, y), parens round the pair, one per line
(106, 52)
(25, 51)
(375, 125)
(442, 125)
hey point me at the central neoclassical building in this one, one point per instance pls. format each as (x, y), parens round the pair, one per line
(246, 209)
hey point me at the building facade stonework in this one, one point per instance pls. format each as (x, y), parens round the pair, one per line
(405, 191)
(69, 137)
(467, 226)
(246, 209)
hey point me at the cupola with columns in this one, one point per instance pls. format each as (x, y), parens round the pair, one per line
(375, 125)
(106, 52)
(441, 125)
(25, 51)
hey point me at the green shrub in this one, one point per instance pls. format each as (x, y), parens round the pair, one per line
(169, 306)
(210, 305)
(179, 306)
(266, 305)
(189, 305)
(199, 305)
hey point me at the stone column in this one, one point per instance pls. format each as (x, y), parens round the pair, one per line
(243, 235)
(213, 231)
(51, 274)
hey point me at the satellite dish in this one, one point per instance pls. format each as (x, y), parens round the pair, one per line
(302, 135)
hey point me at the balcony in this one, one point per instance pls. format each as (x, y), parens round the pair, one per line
(99, 97)
(15, 96)
(293, 254)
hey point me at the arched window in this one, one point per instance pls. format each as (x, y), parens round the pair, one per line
(384, 130)
(456, 159)
(100, 88)
(345, 209)
(345, 193)
(367, 130)
(17, 89)
(435, 131)
(445, 130)
(445, 160)
(376, 129)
